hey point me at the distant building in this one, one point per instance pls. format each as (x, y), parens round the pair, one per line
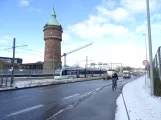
(9, 60)
(37, 65)
(6, 63)
(1, 65)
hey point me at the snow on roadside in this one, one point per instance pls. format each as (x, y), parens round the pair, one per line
(120, 112)
(140, 104)
(42, 82)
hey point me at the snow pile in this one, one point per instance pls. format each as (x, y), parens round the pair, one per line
(6, 88)
(31, 83)
(120, 112)
(140, 104)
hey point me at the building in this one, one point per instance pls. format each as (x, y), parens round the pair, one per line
(52, 37)
(38, 65)
(9, 60)
(6, 62)
(1, 65)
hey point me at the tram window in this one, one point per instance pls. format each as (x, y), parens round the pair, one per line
(71, 72)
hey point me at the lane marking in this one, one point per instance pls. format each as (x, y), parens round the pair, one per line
(26, 110)
(71, 96)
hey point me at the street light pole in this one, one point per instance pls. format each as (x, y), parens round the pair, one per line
(146, 57)
(145, 46)
(150, 48)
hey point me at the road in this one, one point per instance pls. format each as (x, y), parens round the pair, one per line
(43, 102)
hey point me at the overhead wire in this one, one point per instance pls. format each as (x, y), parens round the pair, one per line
(31, 50)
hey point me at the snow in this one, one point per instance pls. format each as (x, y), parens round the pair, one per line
(120, 112)
(6, 88)
(140, 104)
(42, 82)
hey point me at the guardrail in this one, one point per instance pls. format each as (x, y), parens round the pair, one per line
(4, 81)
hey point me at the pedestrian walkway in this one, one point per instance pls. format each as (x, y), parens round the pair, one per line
(138, 101)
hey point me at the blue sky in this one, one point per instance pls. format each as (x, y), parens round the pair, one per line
(114, 26)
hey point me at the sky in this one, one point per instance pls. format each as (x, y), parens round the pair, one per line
(115, 27)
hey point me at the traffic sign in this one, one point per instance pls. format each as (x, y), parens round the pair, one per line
(145, 62)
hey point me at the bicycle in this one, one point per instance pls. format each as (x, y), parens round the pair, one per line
(114, 85)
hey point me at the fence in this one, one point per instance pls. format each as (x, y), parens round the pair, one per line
(24, 75)
(157, 72)
(28, 72)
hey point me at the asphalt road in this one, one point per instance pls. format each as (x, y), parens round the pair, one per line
(43, 102)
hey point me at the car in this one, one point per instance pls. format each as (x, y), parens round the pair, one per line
(126, 74)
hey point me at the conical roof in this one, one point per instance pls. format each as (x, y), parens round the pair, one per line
(53, 20)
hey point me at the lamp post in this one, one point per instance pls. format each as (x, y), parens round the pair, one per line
(150, 48)
(145, 47)
(146, 57)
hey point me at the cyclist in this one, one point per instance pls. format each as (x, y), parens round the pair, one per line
(114, 80)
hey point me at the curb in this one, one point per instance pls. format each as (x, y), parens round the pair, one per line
(65, 82)
(128, 116)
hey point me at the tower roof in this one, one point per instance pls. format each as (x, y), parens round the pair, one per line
(53, 20)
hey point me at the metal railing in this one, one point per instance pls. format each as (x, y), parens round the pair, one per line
(26, 72)
(23, 75)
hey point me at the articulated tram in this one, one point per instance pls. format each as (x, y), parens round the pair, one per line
(78, 72)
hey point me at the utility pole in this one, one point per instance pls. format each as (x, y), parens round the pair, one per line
(13, 59)
(150, 48)
(86, 61)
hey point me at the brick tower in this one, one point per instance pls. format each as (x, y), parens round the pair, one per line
(52, 37)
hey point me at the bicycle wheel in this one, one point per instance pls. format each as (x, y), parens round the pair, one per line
(113, 87)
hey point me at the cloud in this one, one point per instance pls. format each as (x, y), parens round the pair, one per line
(155, 29)
(97, 27)
(118, 14)
(112, 42)
(66, 37)
(111, 4)
(155, 18)
(139, 6)
(5, 40)
(24, 2)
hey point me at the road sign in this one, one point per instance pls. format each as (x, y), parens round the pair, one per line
(145, 62)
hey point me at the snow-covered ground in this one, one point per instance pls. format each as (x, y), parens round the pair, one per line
(121, 112)
(140, 104)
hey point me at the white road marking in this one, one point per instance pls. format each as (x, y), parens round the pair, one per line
(71, 96)
(26, 110)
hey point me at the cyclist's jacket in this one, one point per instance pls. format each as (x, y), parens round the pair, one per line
(115, 76)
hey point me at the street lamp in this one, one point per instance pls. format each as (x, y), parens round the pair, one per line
(145, 46)
(146, 57)
(150, 48)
